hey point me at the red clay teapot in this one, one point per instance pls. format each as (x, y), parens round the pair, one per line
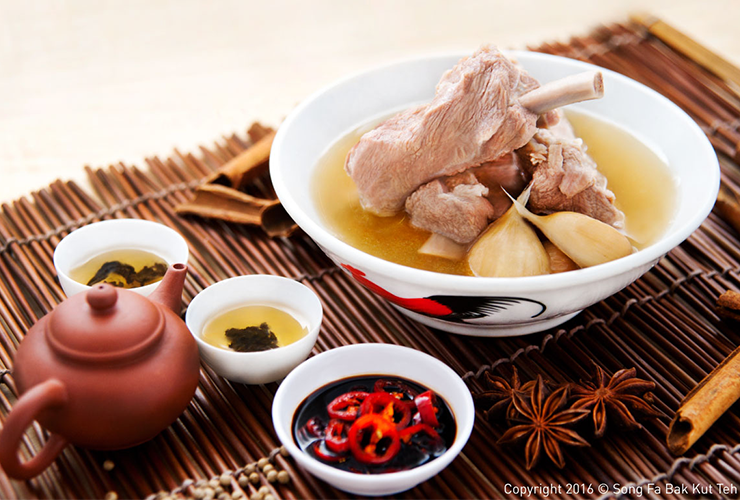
(106, 369)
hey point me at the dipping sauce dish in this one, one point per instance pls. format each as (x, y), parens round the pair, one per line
(377, 360)
(374, 425)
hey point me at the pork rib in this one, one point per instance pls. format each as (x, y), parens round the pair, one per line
(568, 90)
(474, 117)
(564, 177)
(461, 206)
(503, 174)
(456, 208)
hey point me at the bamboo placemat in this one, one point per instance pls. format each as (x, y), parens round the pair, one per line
(664, 325)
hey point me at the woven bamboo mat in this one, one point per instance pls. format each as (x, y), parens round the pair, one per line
(664, 325)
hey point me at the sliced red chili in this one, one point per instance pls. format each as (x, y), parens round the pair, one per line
(425, 403)
(433, 442)
(336, 436)
(315, 427)
(389, 407)
(416, 419)
(395, 387)
(322, 452)
(409, 432)
(373, 439)
(346, 406)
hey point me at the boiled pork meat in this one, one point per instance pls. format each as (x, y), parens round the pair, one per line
(503, 174)
(565, 178)
(455, 207)
(461, 206)
(473, 118)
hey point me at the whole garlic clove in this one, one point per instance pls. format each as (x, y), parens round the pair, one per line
(559, 262)
(508, 248)
(587, 241)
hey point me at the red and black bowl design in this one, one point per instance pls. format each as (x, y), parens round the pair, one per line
(453, 308)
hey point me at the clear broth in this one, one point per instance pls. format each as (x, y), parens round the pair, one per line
(643, 185)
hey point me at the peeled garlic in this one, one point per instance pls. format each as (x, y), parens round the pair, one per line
(509, 248)
(587, 241)
(559, 262)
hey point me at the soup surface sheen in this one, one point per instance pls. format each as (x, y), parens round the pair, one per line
(644, 188)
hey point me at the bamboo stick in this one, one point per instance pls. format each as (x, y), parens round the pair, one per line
(690, 47)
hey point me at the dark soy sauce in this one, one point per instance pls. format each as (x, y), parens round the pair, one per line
(411, 455)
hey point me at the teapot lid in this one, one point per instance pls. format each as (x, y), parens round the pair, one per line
(104, 325)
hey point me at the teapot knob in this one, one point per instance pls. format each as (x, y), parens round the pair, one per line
(102, 297)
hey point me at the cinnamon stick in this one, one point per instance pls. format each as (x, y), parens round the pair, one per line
(705, 404)
(728, 305)
(221, 202)
(257, 131)
(713, 396)
(220, 198)
(728, 206)
(247, 165)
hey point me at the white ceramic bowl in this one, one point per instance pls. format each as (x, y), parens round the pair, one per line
(84, 243)
(502, 306)
(264, 366)
(372, 359)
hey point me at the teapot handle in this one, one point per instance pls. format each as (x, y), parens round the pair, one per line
(45, 395)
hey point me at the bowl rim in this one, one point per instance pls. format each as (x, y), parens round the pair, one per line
(310, 337)
(418, 474)
(459, 283)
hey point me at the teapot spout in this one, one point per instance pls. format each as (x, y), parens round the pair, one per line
(169, 291)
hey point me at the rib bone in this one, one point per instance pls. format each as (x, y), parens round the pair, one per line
(568, 90)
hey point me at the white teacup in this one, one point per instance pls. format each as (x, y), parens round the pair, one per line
(83, 244)
(264, 366)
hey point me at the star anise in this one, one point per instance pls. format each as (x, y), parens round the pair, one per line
(617, 397)
(501, 393)
(544, 424)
